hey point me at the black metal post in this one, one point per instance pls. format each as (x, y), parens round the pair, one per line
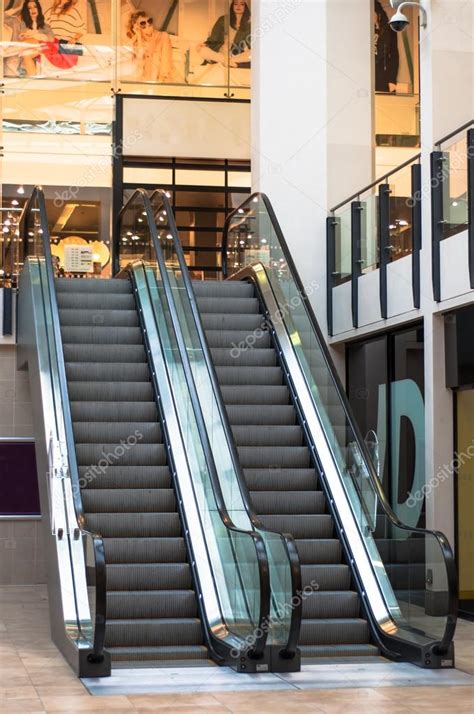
(330, 269)
(356, 262)
(416, 233)
(384, 245)
(7, 311)
(437, 219)
(470, 203)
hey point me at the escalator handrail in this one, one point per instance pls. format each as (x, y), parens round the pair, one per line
(288, 540)
(38, 197)
(443, 543)
(262, 558)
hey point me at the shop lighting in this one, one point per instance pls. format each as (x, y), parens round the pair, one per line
(20, 190)
(15, 202)
(454, 204)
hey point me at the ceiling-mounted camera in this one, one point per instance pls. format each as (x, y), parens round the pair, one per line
(399, 22)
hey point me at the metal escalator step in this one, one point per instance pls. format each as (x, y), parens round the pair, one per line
(274, 456)
(235, 305)
(234, 321)
(134, 525)
(119, 455)
(77, 352)
(326, 577)
(98, 317)
(86, 432)
(111, 285)
(338, 651)
(319, 551)
(151, 604)
(90, 301)
(331, 604)
(236, 340)
(309, 526)
(334, 631)
(144, 550)
(266, 414)
(124, 477)
(218, 289)
(288, 502)
(110, 391)
(268, 435)
(117, 411)
(107, 371)
(148, 576)
(249, 375)
(277, 479)
(157, 654)
(124, 500)
(261, 357)
(102, 335)
(256, 394)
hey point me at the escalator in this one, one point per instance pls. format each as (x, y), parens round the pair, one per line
(154, 554)
(370, 584)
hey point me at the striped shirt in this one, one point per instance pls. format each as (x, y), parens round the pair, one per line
(66, 25)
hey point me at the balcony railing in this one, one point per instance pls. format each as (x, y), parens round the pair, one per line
(452, 196)
(372, 228)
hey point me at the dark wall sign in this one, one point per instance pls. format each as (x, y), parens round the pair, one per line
(18, 480)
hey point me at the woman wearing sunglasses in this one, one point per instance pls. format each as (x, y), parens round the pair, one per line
(152, 50)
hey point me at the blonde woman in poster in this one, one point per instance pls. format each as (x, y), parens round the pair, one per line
(152, 50)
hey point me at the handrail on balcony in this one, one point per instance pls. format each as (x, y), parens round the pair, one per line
(459, 130)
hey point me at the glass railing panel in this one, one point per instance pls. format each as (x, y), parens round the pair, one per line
(407, 599)
(369, 218)
(343, 244)
(224, 459)
(455, 186)
(400, 213)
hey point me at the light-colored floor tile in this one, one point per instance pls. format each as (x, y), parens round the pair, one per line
(85, 703)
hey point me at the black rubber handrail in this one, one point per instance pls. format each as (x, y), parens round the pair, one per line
(262, 558)
(289, 543)
(460, 129)
(37, 199)
(382, 179)
(446, 549)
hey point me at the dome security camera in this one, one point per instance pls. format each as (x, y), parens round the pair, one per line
(399, 21)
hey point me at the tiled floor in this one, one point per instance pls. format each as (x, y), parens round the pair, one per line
(35, 678)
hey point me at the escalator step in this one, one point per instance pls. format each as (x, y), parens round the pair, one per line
(249, 375)
(266, 414)
(91, 301)
(229, 322)
(308, 526)
(134, 525)
(236, 305)
(122, 500)
(110, 391)
(148, 576)
(158, 654)
(326, 577)
(86, 432)
(76, 352)
(119, 455)
(136, 477)
(331, 604)
(236, 340)
(256, 394)
(336, 631)
(274, 456)
(115, 285)
(151, 604)
(218, 289)
(319, 551)
(77, 317)
(144, 550)
(116, 411)
(268, 435)
(261, 357)
(107, 371)
(278, 479)
(288, 502)
(102, 335)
